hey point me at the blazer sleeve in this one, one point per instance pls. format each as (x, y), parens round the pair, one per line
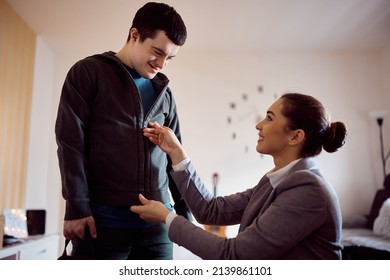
(227, 210)
(293, 214)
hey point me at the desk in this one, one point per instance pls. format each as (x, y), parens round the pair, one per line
(37, 247)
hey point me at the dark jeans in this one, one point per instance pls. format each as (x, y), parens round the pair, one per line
(150, 243)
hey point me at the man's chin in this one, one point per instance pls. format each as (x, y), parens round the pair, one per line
(149, 75)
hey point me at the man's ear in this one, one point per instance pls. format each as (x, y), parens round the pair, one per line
(134, 34)
(297, 136)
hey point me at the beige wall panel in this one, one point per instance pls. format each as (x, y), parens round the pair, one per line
(17, 53)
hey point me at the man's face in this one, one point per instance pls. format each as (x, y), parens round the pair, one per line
(151, 55)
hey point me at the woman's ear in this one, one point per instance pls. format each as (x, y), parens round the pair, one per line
(297, 136)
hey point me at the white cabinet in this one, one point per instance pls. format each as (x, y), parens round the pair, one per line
(43, 247)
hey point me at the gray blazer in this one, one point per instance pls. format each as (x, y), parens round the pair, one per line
(299, 219)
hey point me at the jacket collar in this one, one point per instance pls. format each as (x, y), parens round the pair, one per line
(160, 79)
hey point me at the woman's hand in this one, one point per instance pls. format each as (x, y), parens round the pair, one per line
(166, 139)
(151, 210)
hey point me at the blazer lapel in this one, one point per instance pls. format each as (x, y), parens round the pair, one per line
(259, 201)
(265, 194)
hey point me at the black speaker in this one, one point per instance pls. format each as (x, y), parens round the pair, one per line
(36, 221)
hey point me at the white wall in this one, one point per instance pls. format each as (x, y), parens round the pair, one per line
(204, 84)
(385, 58)
(40, 137)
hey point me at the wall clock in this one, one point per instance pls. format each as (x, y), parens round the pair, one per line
(245, 114)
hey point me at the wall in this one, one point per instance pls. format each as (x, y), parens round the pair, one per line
(39, 189)
(385, 59)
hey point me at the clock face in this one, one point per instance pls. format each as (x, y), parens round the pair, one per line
(244, 114)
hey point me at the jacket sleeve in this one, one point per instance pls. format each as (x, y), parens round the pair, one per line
(70, 129)
(172, 122)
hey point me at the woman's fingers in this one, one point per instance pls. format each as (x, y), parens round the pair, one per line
(142, 199)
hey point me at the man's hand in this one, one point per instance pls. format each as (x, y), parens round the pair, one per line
(76, 228)
(166, 139)
(151, 210)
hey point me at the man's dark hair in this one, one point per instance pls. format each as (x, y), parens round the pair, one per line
(154, 17)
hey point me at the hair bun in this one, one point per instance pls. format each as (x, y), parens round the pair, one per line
(335, 138)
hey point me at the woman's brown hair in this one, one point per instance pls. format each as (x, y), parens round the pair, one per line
(307, 113)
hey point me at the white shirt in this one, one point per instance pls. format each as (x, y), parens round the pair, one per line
(178, 167)
(277, 176)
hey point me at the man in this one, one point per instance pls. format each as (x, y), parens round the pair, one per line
(105, 161)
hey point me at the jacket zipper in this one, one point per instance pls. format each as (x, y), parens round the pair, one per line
(147, 143)
(145, 121)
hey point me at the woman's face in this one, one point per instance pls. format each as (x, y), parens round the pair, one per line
(274, 136)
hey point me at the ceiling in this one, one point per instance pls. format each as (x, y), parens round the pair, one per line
(83, 26)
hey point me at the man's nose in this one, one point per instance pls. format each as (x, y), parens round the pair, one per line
(161, 62)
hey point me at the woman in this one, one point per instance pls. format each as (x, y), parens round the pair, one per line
(292, 213)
